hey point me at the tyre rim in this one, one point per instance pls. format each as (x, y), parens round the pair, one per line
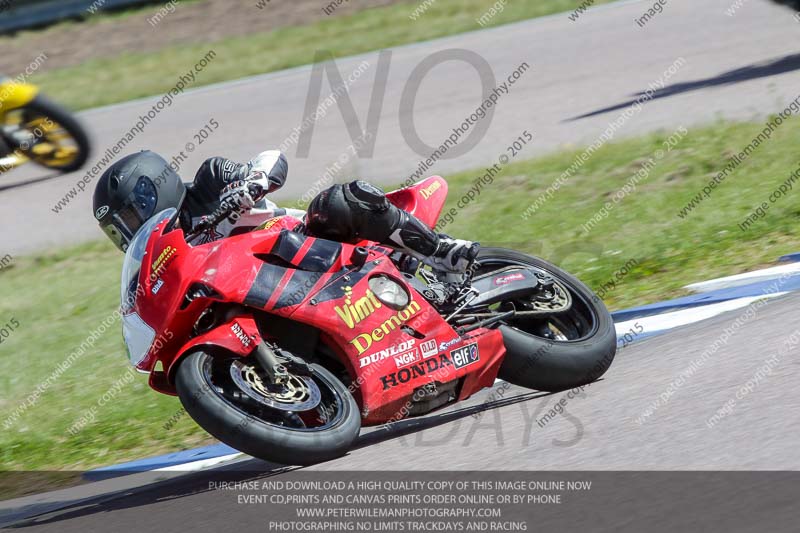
(303, 403)
(299, 393)
(578, 322)
(40, 138)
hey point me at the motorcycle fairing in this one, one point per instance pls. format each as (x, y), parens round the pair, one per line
(238, 336)
(16, 95)
(359, 326)
(179, 280)
(424, 200)
(306, 253)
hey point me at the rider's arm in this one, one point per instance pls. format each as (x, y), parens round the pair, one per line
(213, 176)
(268, 169)
(219, 179)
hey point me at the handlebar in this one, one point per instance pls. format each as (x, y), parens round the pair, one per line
(225, 210)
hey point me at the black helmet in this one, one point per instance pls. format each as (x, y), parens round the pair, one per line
(131, 191)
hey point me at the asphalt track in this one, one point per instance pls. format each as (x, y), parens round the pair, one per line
(597, 431)
(738, 67)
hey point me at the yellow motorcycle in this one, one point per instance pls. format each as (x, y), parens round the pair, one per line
(34, 128)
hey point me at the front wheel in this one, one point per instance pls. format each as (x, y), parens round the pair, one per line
(558, 351)
(306, 420)
(47, 134)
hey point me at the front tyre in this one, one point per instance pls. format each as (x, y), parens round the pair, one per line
(307, 420)
(47, 134)
(559, 351)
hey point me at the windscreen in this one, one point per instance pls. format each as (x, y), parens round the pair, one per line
(133, 259)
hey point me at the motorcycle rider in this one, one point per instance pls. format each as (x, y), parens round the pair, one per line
(140, 185)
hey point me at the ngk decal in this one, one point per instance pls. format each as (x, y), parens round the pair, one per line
(408, 358)
(428, 348)
(391, 351)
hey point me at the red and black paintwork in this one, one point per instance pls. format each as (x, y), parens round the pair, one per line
(389, 353)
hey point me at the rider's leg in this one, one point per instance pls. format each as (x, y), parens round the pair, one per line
(360, 210)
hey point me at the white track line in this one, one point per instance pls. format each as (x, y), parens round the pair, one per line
(684, 317)
(747, 278)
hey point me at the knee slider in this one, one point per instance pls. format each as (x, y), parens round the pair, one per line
(366, 195)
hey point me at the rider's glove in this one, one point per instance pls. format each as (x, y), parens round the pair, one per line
(268, 169)
(238, 194)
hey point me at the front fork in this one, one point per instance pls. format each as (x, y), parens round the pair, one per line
(277, 363)
(271, 363)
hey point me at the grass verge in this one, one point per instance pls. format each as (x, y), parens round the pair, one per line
(134, 75)
(60, 297)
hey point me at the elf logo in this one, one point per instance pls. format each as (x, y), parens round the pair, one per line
(466, 355)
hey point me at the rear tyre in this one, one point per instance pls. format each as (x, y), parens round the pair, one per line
(560, 352)
(298, 427)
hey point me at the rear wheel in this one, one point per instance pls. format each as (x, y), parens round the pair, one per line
(306, 420)
(47, 134)
(560, 339)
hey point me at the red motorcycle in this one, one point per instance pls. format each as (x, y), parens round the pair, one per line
(282, 345)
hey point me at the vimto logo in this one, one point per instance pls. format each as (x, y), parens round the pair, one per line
(352, 312)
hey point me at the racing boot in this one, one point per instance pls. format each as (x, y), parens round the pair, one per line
(439, 251)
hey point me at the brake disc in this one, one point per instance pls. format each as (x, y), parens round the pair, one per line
(555, 298)
(298, 393)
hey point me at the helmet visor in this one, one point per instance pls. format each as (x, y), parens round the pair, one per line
(137, 208)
